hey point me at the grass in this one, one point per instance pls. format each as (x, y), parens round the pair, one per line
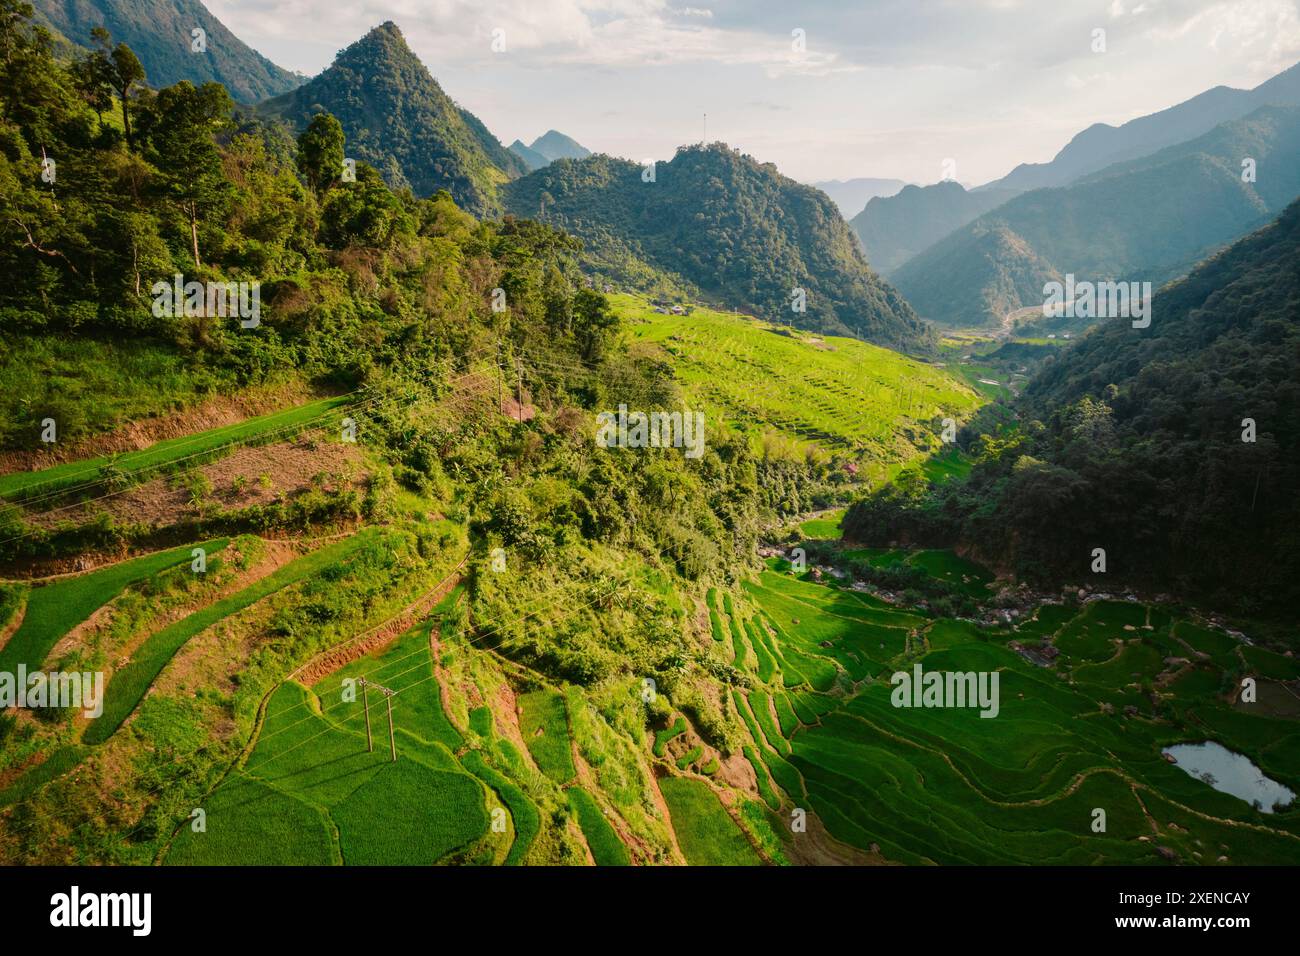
(606, 848)
(544, 722)
(56, 608)
(88, 384)
(523, 812)
(128, 684)
(828, 391)
(825, 527)
(311, 755)
(160, 455)
(943, 785)
(675, 729)
(705, 831)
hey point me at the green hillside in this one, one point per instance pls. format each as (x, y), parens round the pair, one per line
(160, 33)
(398, 119)
(736, 229)
(1134, 420)
(846, 396)
(895, 228)
(1148, 220)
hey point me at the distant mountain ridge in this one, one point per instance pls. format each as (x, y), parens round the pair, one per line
(547, 148)
(895, 228)
(739, 231)
(1102, 145)
(1147, 220)
(159, 33)
(852, 195)
(398, 119)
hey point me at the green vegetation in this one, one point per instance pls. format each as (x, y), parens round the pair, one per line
(56, 608)
(671, 732)
(1166, 210)
(842, 394)
(544, 722)
(731, 251)
(707, 834)
(1112, 435)
(129, 683)
(427, 142)
(606, 848)
(159, 457)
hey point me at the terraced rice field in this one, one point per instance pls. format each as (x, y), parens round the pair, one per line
(135, 465)
(705, 831)
(311, 787)
(945, 785)
(834, 392)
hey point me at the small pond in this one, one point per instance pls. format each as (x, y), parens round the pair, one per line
(1232, 773)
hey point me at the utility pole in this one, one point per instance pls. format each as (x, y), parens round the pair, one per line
(365, 702)
(389, 694)
(392, 739)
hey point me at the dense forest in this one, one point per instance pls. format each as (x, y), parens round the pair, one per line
(1172, 448)
(736, 229)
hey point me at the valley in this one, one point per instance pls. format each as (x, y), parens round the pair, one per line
(560, 509)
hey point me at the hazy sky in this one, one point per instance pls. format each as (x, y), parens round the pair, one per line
(886, 88)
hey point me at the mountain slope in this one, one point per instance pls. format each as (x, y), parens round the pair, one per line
(398, 119)
(895, 228)
(531, 157)
(1141, 450)
(851, 195)
(1147, 220)
(737, 229)
(555, 145)
(1101, 145)
(159, 33)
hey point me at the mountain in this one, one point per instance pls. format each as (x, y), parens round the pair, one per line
(1144, 448)
(159, 33)
(531, 157)
(895, 228)
(547, 148)
(852, 194)
(554, 145)
(1102, 145)
(736, 229)
(1147, 220)
(398, 119)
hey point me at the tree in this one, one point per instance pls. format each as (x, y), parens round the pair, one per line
(94, 76)
(593, 320)
(181, 133)
(120, 69)
(320, 152)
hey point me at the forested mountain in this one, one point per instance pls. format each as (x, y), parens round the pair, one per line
(1101, 145)
(398, 119)
(742, 233)
(851, 195)
(1148, 220)
(1175, 448)
(895, 228)
(159, 32)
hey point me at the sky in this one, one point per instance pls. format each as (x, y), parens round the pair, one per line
(825, 90)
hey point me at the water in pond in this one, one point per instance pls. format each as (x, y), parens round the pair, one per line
(1231, 773)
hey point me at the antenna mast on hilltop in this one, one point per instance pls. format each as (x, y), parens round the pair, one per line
(705, 141)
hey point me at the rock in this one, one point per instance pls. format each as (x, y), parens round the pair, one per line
(1167, 853)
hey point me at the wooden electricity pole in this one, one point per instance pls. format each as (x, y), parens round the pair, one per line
(389, 694)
